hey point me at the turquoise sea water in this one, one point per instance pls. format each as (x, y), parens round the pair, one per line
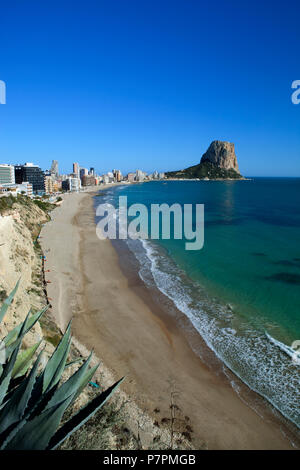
(244, 283)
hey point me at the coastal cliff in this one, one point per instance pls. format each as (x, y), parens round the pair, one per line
(218, 162)
(20, 222)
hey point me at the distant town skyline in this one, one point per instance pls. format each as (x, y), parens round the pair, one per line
(150, 84)
(55, 168)
(31, 180)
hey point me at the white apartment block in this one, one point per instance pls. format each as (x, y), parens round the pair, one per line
(23, 188)
(7, 174)
(74, 184)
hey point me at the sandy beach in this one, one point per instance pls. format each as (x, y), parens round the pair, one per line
(114, 313)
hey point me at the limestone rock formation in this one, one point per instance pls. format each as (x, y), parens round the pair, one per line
(219, 162)
(221, 154)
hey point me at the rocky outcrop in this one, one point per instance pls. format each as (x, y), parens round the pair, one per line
(218, 162)
(221, 154)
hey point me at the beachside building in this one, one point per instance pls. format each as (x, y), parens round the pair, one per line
(117, 175)
(31, 173)
(88, 180)
(140, 175)
(76, 170)
(109, 177)
(57, 185)
(83, 172)
(131, 177)
(71, 184)
(105, 179)
(14, 189)
(74, 184)
(161, 176)
(7, 174)
(49, 184)
(27, 188)
(54, 168)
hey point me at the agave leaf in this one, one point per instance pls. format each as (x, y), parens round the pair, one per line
(4, 386)
(39, 399)
(11, 348)
(14, 410)
(82, 416)
(7, 371)
(57, 362)
(13, 334)
(9, 365)
(9, 434)
(36, 433)
(24, 328)
(8, 301)
(24, 360)
(80, 359)
(36, 405)
(85, 380)
(16, 383)
(70, 387)
(32, 406)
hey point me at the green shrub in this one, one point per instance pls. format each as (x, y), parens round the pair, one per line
(6, 202)
(45, 206)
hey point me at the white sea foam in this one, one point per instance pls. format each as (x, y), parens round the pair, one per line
(287, 349)
(256, 360)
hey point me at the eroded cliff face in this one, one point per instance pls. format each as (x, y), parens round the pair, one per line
(20, 259)
(221, 154)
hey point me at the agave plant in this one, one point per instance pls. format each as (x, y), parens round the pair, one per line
(32, 398)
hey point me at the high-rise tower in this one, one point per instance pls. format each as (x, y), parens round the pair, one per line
(54, 168)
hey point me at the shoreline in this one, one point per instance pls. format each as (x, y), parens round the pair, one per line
(114, 314)
(164, 307)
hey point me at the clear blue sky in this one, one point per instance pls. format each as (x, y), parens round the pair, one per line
(149, 84)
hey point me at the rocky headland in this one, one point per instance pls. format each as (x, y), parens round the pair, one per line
(218, 162)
